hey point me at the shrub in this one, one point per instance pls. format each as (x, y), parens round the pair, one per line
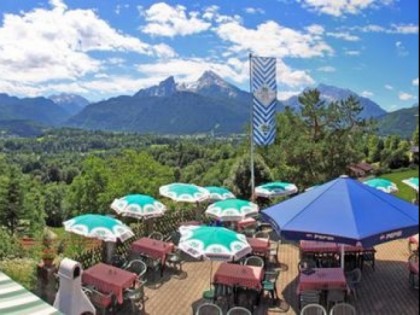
(9, 245)
(21, 270)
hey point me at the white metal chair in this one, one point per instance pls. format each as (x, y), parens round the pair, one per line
(237, 310)
(343, 309)
(254, 261)
(313, 309)
(209, 309)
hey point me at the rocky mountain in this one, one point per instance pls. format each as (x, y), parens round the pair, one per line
(37, 109)
(401, 122)
(209, 104)
(331, 93)
(71, 103)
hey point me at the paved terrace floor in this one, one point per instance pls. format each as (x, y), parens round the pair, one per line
(383, 291)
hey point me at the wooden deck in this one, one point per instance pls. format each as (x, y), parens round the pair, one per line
(383, 291)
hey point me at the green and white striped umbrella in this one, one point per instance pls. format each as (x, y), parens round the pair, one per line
(413, 182)
(138, 206)
(213, 243)
(184, 192)
(382, 184)
(16, 300)
(219, 193)
(232, 209)
(275, 189)
(100, 227)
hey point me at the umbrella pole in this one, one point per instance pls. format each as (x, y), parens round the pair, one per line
(342, 256)
(211, 272)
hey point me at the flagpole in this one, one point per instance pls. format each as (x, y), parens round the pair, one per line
(252, 130)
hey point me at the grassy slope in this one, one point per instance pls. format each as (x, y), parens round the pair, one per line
(405, 192)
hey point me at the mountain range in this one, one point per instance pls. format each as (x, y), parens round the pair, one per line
(208, 105)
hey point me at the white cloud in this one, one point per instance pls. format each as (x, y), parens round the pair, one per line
(401, 50)
(164, 51)
(352, 52)
(165, 20)
(272, 39)
(340, 7)
(120, 7)
(367, 94)
(415, 82)
(389, 87)
(315, 29)
(55, 44)
(251, 10)
(403, 96)
(285, 95)
(403, 29)
(344, 35)
(233, 69)
(327, 69)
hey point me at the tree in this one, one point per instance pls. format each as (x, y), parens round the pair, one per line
(239, 180)
(34, 203)
(11, 200)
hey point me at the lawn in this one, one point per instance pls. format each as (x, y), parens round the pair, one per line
(404, 191)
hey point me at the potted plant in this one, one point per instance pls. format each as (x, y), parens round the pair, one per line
(48, 255)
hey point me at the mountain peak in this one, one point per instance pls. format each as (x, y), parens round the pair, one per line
(164, 89)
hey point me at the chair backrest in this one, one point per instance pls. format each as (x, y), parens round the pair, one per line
(156, 236)
(355, 276)
(306, 264)
(209, 309)
(310, 297)
(313, 309)
(137, 266)
(237, 310)
(343, 309)
(254, 261)
(262, 234)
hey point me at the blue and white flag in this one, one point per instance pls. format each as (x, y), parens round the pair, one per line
(264, 91)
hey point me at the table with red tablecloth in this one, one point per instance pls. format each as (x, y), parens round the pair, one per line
(247, 222)
(109, 279)
(155, 249)
(260, 246)
(239, 275)
(322, 279)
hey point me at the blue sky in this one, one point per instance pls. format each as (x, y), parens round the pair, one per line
(100, 49)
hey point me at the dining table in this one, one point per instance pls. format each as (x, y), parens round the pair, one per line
(260, 246)
(239, 275)
(109, 279)
(322, 279)
(155, 249)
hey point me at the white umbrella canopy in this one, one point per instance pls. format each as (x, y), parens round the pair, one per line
(219, 193)
(138, 206)
(275, 189)
(184, 192)
(97, 226)
(232, 209)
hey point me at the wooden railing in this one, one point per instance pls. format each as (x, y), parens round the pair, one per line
(165, 225)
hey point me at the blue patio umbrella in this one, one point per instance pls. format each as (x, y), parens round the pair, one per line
(344, 211)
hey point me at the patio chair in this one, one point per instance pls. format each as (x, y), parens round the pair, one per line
(155, 265)
(306, 263)
(104, 302)
(263, 235)
(137, 266)
(209, 309)
(343, 309)
(413, 259)
(118, 261)
(238, 310)
(254, 261)
(354, 278)
(175, 261)
(173, 237)
(274, 251)
(136, 296)
(269, 284)
(156, 236)
(313, 309)
(335, 296)
(367, 257)
(309, 297)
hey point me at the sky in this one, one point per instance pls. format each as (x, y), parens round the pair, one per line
(104, 48)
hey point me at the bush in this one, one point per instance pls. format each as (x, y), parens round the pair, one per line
(21, 270)
(9, 245)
